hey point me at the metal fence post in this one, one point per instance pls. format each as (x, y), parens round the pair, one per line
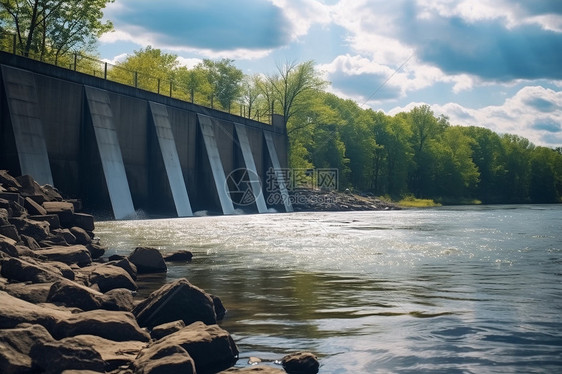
(136, 79)
(171, 86)
(75, 61)
(14, 41)
(105, 71)
(158, 86)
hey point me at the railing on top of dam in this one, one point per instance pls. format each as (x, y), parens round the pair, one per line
(82, 63)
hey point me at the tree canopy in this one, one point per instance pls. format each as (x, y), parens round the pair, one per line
(50, 28)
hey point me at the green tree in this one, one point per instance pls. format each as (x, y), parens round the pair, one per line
(152, 69)
(516, 162)
(459, 175)
(292, 87)
(487, 155)
(545, 177)
(426, 128)
(44, 27)
(394, 158)
(195, 83)
(251, 95)
(224, 79)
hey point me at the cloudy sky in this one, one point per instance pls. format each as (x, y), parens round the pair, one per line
(491, 63)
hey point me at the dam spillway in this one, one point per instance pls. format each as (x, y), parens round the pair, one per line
(121, 149)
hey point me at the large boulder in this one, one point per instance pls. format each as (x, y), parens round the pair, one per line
(39, 230)
(8, 246)
(17, 269)
(109, 277)
(63, 209)
(179, 300)
(118, 299)
(35, 293)
(75, 254)
(148, 260)
(113, 354)
(166, 329)
(33, 207)
(111, 325)
(15, 345)
(179, 256)
(52, 357)
(8, 181)
(14, 311)
(163, 358)
(211, 347)
(300, 363)
(126, 265)
(82, 237)
(71, 294)
(83, 220)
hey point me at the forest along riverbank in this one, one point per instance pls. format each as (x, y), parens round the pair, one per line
(64, 306)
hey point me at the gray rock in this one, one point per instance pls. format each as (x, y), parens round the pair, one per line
(66, 235)
(118, 299)
(148, 260)
(211, 347)
(96, 250)
(179, 300)
(71, 294)
(53, 357)
(164, 358)
(109, 277)
(8, 246)
(15, 345)
(14, 311)
(113, 354)
(300, 363)
(166, 329)
(126, 265)
(34, 293)
(111, 325)
(179, 256)
(82, 237)
(17, 269)
(75, 254)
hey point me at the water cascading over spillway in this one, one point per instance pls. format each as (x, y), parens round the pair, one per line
(171, 160)
(110, 153)
(278, 172)
(21, 94)
(251, 166)
(216, 164)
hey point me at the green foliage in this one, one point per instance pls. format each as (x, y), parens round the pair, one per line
(224, 80)
(412, 202)
(48, 29)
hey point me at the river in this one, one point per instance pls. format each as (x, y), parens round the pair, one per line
(474, 289)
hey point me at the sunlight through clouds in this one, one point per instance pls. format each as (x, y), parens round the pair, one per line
(473, 60)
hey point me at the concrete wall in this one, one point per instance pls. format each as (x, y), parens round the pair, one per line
(76, 168)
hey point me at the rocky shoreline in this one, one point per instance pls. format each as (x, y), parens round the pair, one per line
(67, 308)
(335, 201)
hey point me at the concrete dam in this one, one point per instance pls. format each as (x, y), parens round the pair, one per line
(121, 149)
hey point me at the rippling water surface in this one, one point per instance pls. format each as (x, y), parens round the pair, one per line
(452, 290)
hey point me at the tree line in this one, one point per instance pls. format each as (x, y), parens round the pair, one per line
(413, 153)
